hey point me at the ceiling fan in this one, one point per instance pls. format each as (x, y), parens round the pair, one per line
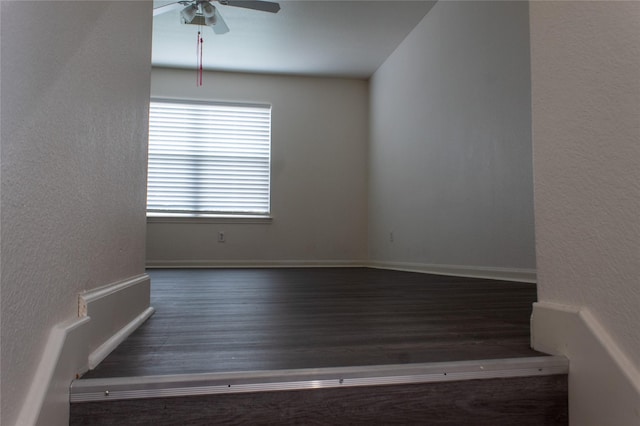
(202, 12)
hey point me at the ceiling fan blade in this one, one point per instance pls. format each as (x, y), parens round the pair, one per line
(220, 27)
(264, 6)
(168, 8)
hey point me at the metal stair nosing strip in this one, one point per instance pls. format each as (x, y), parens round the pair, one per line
(110, 389)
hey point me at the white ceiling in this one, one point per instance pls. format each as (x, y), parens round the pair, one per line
(348, 38)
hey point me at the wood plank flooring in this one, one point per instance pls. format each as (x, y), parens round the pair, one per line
(223, 320)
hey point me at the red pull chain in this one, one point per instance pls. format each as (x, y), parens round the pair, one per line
(197, 55)
(199, 43)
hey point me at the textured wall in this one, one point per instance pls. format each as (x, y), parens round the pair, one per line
(318, 179)
(450, 170)
(586, 141)
(75, 88)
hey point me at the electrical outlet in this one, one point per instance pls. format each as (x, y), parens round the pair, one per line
(221, 237)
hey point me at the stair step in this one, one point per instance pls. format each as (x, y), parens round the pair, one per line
(522, 391)
(110, 389)
(521, 401)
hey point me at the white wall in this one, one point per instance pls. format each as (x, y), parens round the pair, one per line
(586, 122)
(75, 86)
(450, 155)
(318, 182)
(586, 143)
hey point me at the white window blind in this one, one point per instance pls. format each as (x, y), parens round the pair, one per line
(208, 158)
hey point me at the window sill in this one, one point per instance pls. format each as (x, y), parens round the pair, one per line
(243, 219)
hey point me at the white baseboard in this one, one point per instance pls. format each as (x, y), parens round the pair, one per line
(604, 385)
(129, 298)
(105, 316)
(167, 264)
(97, 356)
(506, 274)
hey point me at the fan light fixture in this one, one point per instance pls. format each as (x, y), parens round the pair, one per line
(189, 12)
(209, 13)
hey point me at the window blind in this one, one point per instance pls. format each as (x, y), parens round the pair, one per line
(208, 158)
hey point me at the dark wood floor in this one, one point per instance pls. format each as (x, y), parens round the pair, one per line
(268, 319)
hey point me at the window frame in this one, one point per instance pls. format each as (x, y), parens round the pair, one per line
(212, 216)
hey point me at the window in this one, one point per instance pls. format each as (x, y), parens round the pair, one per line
(208, 158)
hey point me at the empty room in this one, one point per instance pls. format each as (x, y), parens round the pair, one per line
(320, 212)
